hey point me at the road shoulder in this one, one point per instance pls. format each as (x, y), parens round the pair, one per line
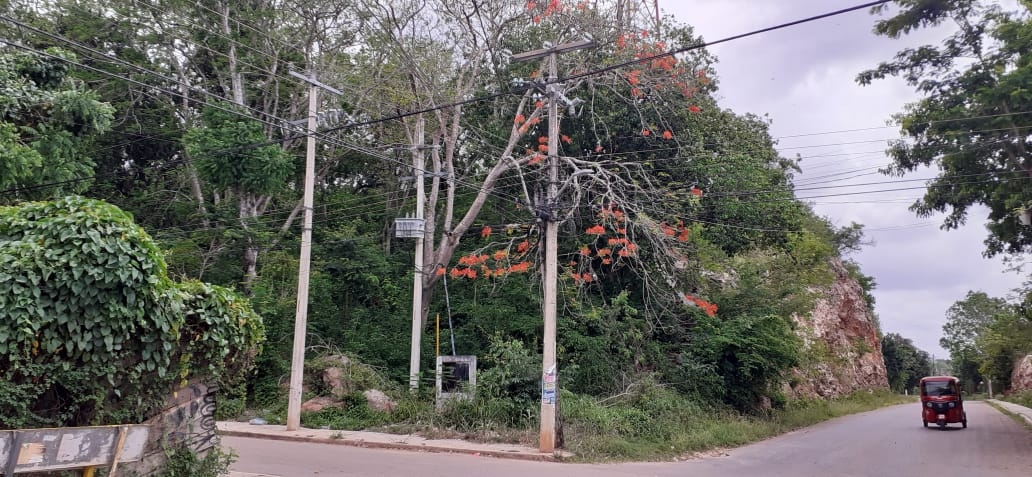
(1018, 410)
(385, 441)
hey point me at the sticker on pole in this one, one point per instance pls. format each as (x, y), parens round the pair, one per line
(548, 386)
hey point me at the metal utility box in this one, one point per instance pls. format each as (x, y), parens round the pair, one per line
(456, 378)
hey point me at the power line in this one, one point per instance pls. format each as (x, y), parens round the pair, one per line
(280, 121)
(595, 72)
(612, 67)
(928, 123)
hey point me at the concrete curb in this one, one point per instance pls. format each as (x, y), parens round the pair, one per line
(1016, 409)
(394, 446)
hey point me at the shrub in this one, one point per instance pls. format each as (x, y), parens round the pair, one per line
(92, 331)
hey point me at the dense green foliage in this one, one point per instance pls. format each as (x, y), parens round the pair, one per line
(223, 149)
(905, 365)
(972, 122)
(967, 321)
(46, 120)
(985, 336)
(92, 330)
(685, 259)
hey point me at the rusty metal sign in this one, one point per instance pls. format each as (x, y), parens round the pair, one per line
(36, 450)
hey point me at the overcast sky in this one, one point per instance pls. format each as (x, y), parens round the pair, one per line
(803, 78)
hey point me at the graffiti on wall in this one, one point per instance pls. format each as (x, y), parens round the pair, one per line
(190, 421)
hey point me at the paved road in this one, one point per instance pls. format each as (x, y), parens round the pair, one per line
(887, 442)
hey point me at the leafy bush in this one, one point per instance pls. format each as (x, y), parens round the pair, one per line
(751, 354)
(92, 331)
(512, 372)
(184, 462)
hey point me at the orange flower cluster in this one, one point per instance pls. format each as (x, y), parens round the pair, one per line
(473, 265)
(551, 8)
(486, 271)
(707, 307)
(582, 277)
(633, 77)
(660, 71)
(613, 213)
(619, 246)
(681, 232)
(473, 260)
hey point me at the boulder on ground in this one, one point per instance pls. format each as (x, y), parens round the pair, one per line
(334, 379)
(318, 404)
(379, 401)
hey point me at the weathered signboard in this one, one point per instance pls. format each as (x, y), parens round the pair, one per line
(36, 450)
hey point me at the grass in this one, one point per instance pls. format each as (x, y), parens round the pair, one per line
(649, 421)
(654, 423)
(676, 427)
(1023, 398)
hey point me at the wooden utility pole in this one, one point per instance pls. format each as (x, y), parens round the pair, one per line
(297, 361)
(549, 368)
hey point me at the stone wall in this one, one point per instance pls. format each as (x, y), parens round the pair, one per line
(187, 420)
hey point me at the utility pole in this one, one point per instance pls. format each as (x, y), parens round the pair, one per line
(297, 361)
(549, 368)
(418, 166)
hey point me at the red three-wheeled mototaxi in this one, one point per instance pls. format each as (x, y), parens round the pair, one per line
(941, 401)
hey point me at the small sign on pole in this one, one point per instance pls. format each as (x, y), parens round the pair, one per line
(409, 227)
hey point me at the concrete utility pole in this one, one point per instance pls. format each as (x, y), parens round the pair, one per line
(549, 368)
(297, 361)
(418, 164)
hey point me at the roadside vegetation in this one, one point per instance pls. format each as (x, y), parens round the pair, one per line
(152, 218)
(1023, 398)
(647, 421)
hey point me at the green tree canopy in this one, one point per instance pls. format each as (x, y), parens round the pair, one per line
(904, 363)
(46, 120)
(966, 321)
(973, 122)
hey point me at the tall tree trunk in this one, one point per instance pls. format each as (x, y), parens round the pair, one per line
(249, 210)
(251, 205)
(235, 80)
(195, 181)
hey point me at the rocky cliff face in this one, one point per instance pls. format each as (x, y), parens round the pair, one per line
(1021, 376)
(841, 341)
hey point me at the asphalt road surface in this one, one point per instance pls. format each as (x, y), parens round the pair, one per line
(887, 442)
